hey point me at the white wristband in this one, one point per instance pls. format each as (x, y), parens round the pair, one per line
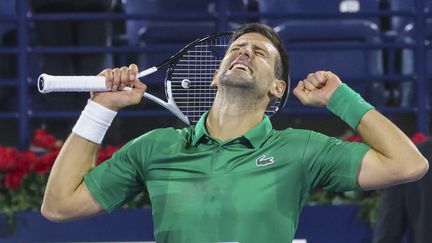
(94, 121)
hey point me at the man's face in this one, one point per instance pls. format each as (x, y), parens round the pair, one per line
(249, 63)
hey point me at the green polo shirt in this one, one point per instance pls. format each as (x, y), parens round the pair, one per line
(248, 189)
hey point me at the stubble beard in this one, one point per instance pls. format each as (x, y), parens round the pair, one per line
(239, 89)
(237, 81)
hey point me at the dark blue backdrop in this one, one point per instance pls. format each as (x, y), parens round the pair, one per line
(318, 224)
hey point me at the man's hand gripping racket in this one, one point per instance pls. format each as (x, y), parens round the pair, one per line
(124, 80)
(188, 87)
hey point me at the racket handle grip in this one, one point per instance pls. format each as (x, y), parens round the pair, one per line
(48, 83)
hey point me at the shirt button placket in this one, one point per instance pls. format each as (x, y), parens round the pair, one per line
(216, 163)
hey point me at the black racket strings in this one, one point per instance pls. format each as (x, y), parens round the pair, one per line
(192, 76)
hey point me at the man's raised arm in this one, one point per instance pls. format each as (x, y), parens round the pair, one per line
(66, 195)
(393, 159)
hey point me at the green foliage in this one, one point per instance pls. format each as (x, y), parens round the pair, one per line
(369, 207)
(28, 197)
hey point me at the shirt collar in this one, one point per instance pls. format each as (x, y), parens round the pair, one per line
(256, 136)
(259, 133)
(200, 129)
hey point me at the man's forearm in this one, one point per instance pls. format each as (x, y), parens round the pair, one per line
(389, 142)
(384, 136)
(76, 158)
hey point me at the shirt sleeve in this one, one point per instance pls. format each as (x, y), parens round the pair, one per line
(332, 163)
(118, 179)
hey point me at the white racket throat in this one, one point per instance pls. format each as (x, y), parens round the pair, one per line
(147, 72)
(170, 104)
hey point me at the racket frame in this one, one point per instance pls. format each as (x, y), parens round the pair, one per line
(171, 62)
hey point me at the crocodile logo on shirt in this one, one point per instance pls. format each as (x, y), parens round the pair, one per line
(263, 160)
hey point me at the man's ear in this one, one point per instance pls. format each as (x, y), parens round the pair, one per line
(278, 88)
(214, 82)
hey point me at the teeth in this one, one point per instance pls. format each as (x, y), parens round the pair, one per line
(241, 66)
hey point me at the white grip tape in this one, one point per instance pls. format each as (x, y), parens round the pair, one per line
(94, 121)
(48, 83)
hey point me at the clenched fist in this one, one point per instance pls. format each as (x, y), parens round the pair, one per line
(317, 88)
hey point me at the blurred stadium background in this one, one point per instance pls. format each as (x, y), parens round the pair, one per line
(379, 47)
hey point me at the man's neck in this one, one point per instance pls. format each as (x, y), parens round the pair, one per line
(228, 122)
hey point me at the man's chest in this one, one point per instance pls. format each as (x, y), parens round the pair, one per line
(226, 182)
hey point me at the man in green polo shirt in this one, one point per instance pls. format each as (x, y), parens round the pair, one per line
(231, 177)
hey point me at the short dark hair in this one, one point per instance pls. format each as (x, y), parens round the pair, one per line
(281, 67)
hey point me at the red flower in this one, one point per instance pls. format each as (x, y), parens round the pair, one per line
(419, 137)
(354, 139)
(106, 153)
(43, 164)
(25, 161)
(7, 159)
(41, 138)
(15, 165)
(13, 179)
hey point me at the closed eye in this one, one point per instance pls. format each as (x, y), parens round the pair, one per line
(234, 49)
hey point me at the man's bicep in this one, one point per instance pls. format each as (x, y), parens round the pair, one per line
(374, 174)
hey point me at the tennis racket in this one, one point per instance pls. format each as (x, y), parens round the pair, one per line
(187, 84)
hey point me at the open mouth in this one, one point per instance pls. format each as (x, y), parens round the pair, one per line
(241, 67)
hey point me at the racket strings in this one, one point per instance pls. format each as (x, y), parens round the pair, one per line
(192, 76)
